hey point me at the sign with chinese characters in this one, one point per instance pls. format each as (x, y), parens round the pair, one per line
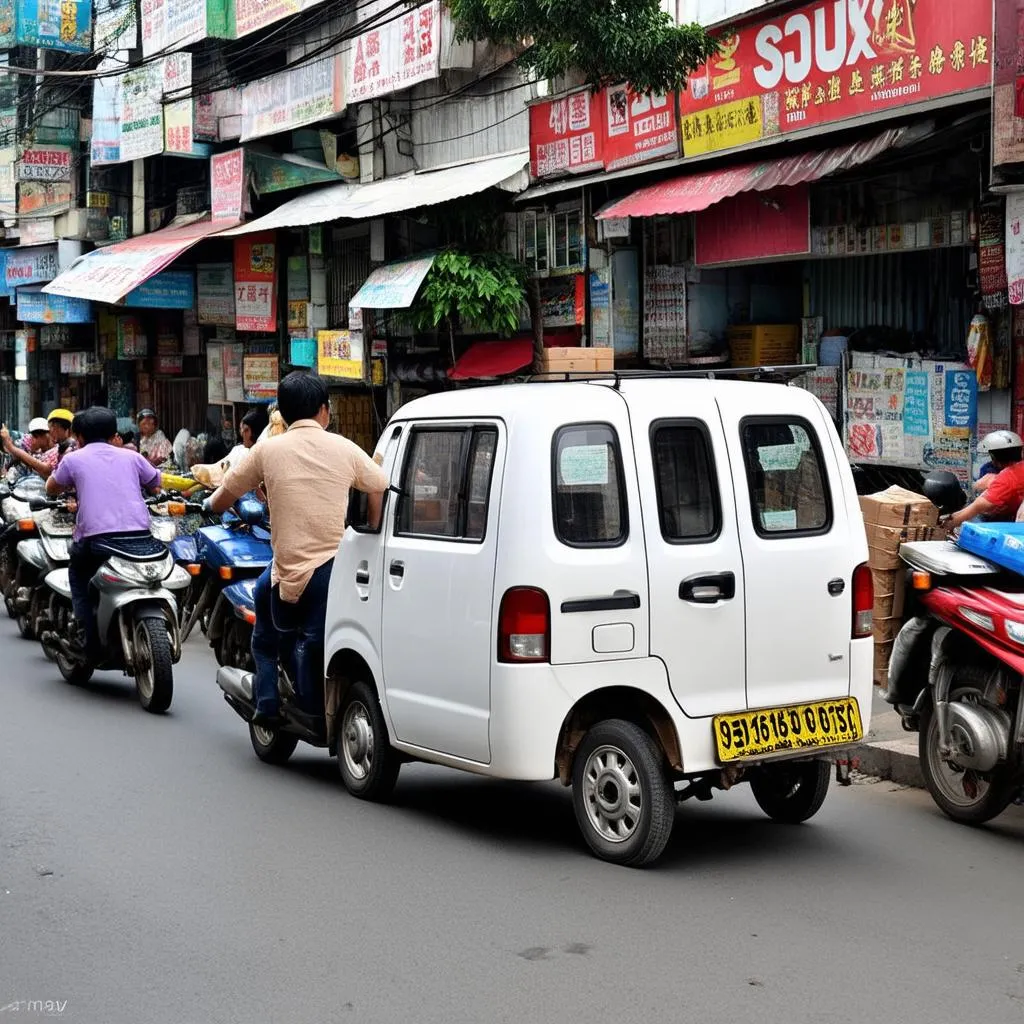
(292, 98)
(170, 289)
(566, 135)
(399, 53)
(256, 283)
(30, 266)
(36, 307)
(259, 377)
(45, 163)
(55, 24)
(1008, 84)
(637, 127)
(1015, 247)
(826, 62)
(216, 288)
(339, 354)
(171, 24)
(142, 114)
(227, 184)
(178, 104)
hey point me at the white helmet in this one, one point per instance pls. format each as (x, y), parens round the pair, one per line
(1000, 441)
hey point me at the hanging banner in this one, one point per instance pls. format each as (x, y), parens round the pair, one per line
(400, 53)
(338, 354)
(290, 99)
(216, 294)
(256, 283)
(30, 266)
(566, 135)
(638, 128)
(665, 314)
(43, 197)
(170, 289)
(36, 307)
(45, 163)
(1008, 84)
(215, 374)
(234, 356)
(227, 185)
(259, 378)
(826, 62)
(992, 254)
(105, 143)
(172, 24)
(55, 24)
(142, 115)
(1015, 247)
(8, 185)
(393, 286)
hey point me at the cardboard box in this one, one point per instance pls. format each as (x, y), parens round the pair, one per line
(898, 507)
(764, 344)
(570, 366)
(884, 543)
(890, 592)
(577, 360)
(885, 630)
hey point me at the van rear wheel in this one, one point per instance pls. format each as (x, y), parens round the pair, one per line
(622, 795)
(793, 791)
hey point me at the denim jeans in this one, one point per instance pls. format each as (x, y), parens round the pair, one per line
(86, 557)
(297, 628)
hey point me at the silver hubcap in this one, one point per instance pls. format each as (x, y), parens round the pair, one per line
(612, 794)
(264, 736)
(357, 741)
(963, 787)
(143, 663)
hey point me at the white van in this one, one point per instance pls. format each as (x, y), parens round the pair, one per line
(648, 588)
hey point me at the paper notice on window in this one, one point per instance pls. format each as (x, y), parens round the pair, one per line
(779, 457)
(779, 522)
(584, 465)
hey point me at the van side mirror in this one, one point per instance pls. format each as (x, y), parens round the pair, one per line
(358, 515)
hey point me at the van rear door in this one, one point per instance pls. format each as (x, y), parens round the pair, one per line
(798, 547)
(693, 548)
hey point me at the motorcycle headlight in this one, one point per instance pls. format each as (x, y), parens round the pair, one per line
(142, 572)
(165, 530)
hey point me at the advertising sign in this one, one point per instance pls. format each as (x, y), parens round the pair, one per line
(35, 307)
(337, 355)
(566, 135)
(216, 288)
(826, 62)
(45, 163)
(1015, 247)
(115, 26)
(393, 286)
(227, 184)
(302, 95)
(1008, 84)
(215, 374)
(234, 390)
(170, 289)
(44, 197)
(259, 378)
(253, 14)
(30, 266)
(105, 144)
(8, 188)
(396, 55)
(142, 115)
(256, 283)
(170, 24)
(638, 128)
(55, 24)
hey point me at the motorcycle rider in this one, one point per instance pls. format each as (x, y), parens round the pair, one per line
(109, 481)
(62, 443)
(35, 441)
(1003, 492)
(307, 474)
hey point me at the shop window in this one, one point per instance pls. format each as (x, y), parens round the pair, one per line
(533, 233)
(446, 483)
(786, 476)
(684, 479)
(552, 241)
(588, 485)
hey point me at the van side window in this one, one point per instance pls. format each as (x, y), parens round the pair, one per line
(788, 484)
(589, 493)
(684, 479)
(446, 483)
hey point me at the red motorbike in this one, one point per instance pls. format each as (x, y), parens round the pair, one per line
(956, 669)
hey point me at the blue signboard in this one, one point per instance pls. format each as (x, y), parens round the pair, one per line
(303, 352)
(55, 24)
(961, 398)
(173, 289)
(36, 307)
(916, 405)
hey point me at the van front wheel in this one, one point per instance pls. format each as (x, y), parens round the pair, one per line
(622, 795)
(368, 764)
(793, 791)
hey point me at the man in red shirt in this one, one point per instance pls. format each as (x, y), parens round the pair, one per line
(1004, 495)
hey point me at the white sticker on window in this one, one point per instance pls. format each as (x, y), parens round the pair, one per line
(584, 465)
(778, 522)
(779, 457)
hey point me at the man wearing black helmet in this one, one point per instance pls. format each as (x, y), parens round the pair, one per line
(109, 481)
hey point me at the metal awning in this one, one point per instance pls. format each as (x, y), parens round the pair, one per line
(393, 286)
(109, 274)
(695, 192)
(393, 195)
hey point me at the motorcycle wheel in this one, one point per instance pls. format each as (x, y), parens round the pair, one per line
(6, 569)
(793, 791)
(965, 795)
(154, 667)
(74, 672)
(271, 745)
(26, 627)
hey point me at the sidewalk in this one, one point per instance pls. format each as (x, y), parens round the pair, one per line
(888, 751)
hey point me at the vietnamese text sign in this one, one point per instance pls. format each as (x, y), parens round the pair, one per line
(638, 128)
(30, 266)
(916, 405)
(339, 354)
(36, 307)
(566, 135)
(401, 52)
(826, 62)
(45, 163)
(170, 289)
(55, 24)
(292, 98)
(227, 184)
(256, 283)
(216, 291)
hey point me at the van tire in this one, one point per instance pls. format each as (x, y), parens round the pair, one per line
(793, 791)
(615, 754)
(367, 762)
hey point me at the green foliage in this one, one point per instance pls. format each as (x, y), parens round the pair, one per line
(608, 41)
(484, 290)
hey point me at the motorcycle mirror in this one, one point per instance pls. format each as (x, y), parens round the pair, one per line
(38, 504)
(250, 512)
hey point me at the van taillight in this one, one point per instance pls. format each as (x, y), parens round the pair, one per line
(524, 625)
(863, 601)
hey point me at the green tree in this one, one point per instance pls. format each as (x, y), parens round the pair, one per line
(608, 41)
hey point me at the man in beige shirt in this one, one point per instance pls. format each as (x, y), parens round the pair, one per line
(307, 474)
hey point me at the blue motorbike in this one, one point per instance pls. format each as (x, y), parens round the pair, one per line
(231, 625)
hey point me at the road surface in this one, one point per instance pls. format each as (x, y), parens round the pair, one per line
(153, 872)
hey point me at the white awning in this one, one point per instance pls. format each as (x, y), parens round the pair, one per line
(393, 195)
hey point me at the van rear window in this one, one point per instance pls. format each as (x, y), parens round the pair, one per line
(786, 476)
(684, 479)
(590, 500)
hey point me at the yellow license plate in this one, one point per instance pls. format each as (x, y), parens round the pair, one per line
(826, 723)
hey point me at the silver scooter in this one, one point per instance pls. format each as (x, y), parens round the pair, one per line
(136, 610)
(37, 556)
(16, 524)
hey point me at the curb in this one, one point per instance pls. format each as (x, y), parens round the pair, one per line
(892, 760)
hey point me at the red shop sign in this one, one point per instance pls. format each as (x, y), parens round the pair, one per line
(637, 128)
(832, 60)
(566, 135)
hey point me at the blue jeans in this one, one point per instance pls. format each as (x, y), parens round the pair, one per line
(294, 628)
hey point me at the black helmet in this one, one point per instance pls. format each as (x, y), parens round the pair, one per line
(943, 490)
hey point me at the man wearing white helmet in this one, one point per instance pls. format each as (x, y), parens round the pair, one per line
(1003, 492)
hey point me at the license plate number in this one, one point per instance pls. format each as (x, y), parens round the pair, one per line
(826, 723)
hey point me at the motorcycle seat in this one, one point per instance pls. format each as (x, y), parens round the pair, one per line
(141, 547)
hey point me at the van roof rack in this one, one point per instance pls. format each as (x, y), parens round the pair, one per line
(779, 374)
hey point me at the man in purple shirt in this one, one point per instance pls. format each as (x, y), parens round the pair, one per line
(109, 482)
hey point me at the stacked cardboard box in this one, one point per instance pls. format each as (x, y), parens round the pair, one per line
(763, 344)
(577, 360)
(891, 518)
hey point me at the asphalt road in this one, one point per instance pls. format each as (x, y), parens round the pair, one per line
(153, 872)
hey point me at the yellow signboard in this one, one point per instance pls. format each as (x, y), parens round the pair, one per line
(338, 354)
(732, 124)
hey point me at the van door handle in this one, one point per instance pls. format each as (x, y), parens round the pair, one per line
(708, 589)
(363, 577)
(397, 569)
